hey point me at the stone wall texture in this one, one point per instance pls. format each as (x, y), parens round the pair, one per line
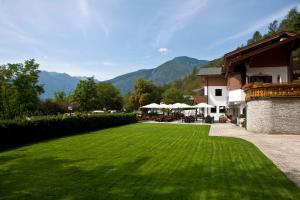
(274, 116)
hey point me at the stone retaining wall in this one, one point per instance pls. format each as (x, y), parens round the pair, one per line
(274, 116)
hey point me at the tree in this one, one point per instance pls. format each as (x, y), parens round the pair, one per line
(50, 107)
(143, 87)
(85, 95)
(273, 27)
(26, 83)
(145, 98)
(7, 93)
(292, 14)
(145, 92)
(291, 22)
(256, 37)
(108, 96)
(172, 95)
(60, 97)
(19, 89)
(128, 102)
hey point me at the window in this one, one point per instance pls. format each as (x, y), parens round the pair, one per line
(222, 109)
(218, 92)
(295, 63)
(213, 110)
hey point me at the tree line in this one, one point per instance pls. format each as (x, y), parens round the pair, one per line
(20, 94)
(291, 23)
(146, 92)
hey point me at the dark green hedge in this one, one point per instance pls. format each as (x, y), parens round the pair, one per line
(16, 132)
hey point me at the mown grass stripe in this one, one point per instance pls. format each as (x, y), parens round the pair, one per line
(142, 161)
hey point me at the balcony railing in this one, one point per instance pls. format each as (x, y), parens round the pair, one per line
(268, 90)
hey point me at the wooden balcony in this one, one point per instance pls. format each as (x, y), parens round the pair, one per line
(271, 90)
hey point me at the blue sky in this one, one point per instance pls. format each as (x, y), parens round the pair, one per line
(106, 38)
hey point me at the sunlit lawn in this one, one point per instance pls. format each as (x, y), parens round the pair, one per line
(142, 161)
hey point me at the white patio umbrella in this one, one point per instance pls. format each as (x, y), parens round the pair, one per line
(183, 105)
(162, 105)
(152, 105)
(179, 106)
(203, 105)
(174, 106)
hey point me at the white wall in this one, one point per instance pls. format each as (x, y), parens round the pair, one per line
(236, 95)
(205, 90)
(217, 100)
(271, 71)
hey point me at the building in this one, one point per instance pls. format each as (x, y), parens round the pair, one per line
(262, 82)
(214, 91)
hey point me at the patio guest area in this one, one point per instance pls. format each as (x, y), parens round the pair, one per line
(177, 113)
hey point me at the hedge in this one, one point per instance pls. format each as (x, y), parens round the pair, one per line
(16, 132)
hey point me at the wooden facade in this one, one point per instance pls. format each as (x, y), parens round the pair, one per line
(234, 81)
(250, 64)
(215, 81)
(277, 57)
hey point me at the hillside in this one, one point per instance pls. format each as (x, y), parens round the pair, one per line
(214, 63)
(54, 81)
(163, 74)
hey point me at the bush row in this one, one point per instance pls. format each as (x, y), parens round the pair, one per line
(17, 132)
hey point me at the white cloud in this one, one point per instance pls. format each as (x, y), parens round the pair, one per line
(163, 50)
(175, 19)
(256, 26)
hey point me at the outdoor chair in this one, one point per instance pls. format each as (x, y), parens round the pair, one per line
(209, 119)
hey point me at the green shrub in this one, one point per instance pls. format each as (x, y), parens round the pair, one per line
(18, 132)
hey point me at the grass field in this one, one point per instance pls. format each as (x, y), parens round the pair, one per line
(142, 161)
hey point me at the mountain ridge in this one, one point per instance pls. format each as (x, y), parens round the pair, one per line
(165, 73)
(55, 81)
(169, 71)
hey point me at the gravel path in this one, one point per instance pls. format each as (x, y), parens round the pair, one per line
(283, 150)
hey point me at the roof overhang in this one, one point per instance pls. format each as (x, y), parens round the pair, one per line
(238, 56)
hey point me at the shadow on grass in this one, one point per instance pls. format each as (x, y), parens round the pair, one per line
(15, 144)
(51, 178)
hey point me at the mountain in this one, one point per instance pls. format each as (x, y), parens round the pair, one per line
(163, 74)
(54, 81)
(214, 63)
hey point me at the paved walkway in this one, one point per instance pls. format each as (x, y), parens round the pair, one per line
(283, 150)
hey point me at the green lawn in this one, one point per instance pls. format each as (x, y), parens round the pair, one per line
(142, 161)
